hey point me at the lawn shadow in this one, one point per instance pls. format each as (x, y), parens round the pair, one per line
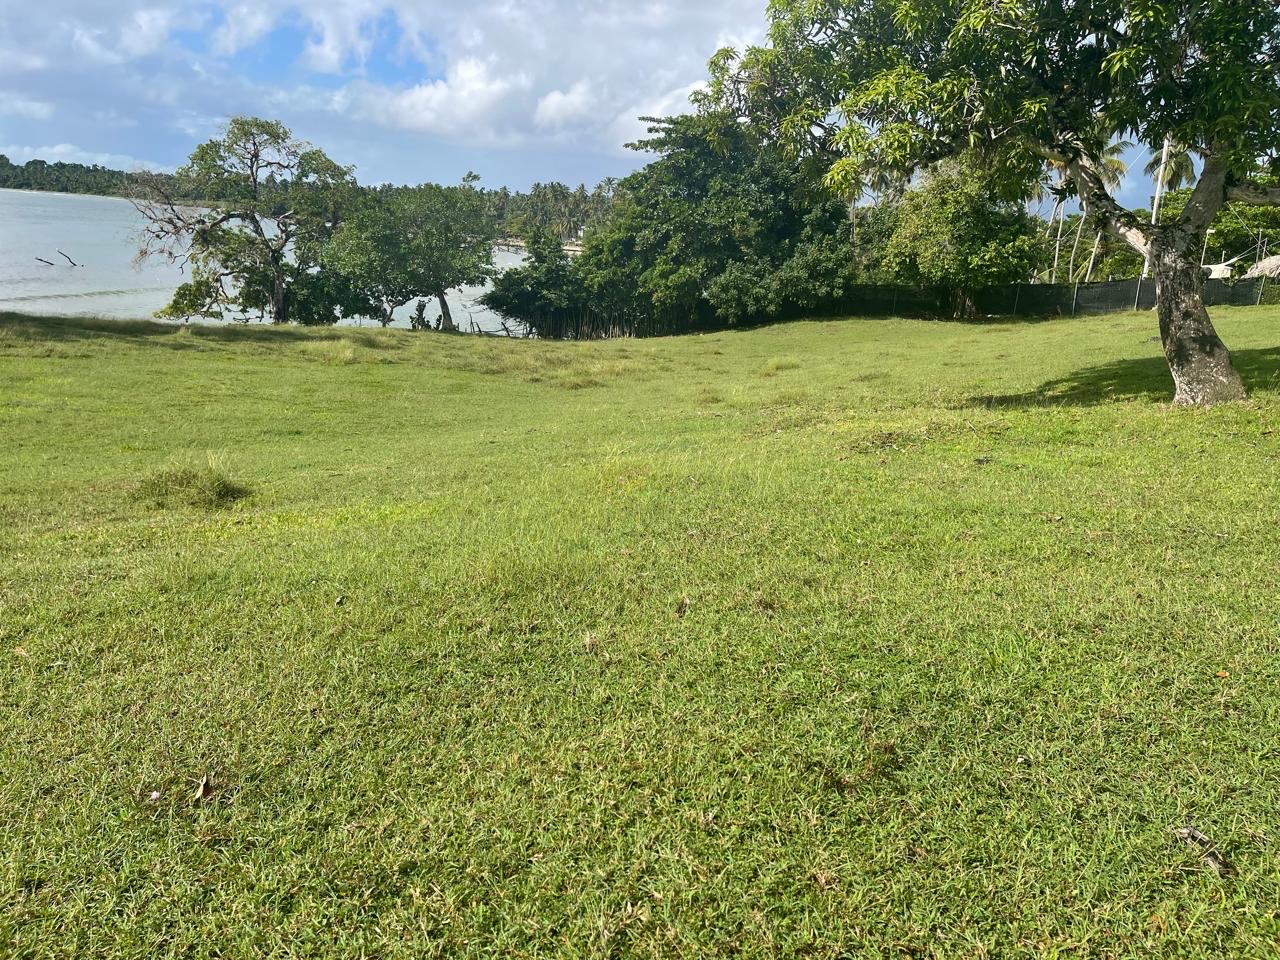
(37, 329)
(1145, 379)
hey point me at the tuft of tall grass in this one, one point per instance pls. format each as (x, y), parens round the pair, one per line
(205, 487)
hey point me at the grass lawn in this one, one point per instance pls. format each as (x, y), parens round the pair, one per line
(866, 638)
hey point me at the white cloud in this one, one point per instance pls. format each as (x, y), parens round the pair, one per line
(387, 82)
(15, 105)
(139, 34)
(627, 127)
(242, 26)
(89, 43)
(461, 104)
(19, 61)
(146, 33)
(559, 109)
(342, 30)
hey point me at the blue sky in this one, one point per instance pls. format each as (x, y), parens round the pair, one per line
(407, 90)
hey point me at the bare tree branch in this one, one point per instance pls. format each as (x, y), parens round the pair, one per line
(1208, 197)
(1097, 201)
(1254, 193)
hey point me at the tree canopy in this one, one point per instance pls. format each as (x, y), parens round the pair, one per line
(882, 88)
(273, 203)
(415, 243)
(955, 231)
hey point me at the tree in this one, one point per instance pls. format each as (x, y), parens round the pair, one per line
(420, 242)
(721, 228)
(955, 231)
(1111, 168)
(1239, 230)
(273, 202)
(1177, 171)
(713, 222)
(543, 287)
(900, 84)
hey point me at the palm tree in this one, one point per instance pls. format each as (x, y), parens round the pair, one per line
(1112, 169)
(1180, 171)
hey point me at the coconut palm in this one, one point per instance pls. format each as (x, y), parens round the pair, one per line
(1180, 171)
(1112, 169)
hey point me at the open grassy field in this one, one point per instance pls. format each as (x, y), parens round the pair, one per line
(851, 639)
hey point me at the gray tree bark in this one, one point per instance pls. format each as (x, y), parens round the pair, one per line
(1198, 359)
(279, 302)
(446, 317)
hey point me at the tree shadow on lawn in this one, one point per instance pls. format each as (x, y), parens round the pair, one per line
(1145, 378)
(37, 329)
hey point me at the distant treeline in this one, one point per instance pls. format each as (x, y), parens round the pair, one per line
(562, 211)
(62, 177)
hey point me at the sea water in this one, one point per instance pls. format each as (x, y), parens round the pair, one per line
(101, 235)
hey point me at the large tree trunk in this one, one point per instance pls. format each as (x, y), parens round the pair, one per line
(1198, 359)
(446, 318)
(279, 303)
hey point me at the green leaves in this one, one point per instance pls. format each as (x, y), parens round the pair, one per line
(955, 231)
(273, 202)
(416, 242)
(909, 81)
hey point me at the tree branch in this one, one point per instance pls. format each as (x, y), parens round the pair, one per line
(1254, 193)
(1097, 200)
(1208, 197)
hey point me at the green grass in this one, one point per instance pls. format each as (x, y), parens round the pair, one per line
(874, 638)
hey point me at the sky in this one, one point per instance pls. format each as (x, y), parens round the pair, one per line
(407, 90)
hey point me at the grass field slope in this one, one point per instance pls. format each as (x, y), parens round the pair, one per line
(847, 639)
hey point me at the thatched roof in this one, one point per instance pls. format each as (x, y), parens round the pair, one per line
(1269, 267)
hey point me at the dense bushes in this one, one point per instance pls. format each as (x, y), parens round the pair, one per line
(723, 229)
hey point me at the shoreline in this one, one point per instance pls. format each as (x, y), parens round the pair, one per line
(64, 193)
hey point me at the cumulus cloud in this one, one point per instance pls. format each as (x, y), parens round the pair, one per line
(628, 127)
(139, 34)
(460, 104)
(547, 76)
(147, 31)
(559, 109)
(242, 26)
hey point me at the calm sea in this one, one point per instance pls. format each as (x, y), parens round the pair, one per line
(100, 234)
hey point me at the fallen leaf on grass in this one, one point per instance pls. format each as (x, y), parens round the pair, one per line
(204, 790)
(1222, 674)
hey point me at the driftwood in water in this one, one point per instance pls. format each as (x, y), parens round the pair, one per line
(43, 260)
(69, 260)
